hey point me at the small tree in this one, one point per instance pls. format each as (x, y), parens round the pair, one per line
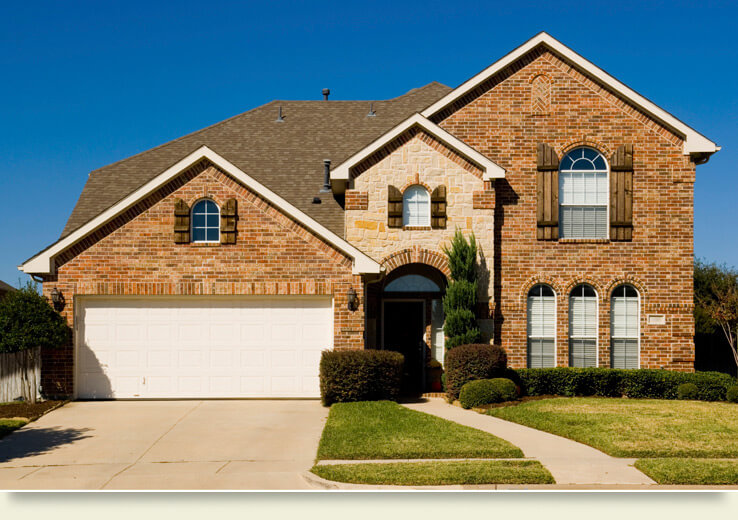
(27, 321)
(716, 301)
(460, 299)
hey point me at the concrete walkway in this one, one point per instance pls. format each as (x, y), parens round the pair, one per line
(166, 445)
(570, 462)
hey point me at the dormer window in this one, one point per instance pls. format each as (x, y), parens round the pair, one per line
(416, 207)
(205, 221)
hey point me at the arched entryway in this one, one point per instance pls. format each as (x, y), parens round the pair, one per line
(405, 314)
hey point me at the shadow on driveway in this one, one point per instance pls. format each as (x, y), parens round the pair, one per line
(37, 441)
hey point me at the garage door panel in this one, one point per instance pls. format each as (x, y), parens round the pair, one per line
(202, 347)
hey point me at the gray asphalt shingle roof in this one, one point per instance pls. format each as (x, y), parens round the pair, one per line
(286, 157)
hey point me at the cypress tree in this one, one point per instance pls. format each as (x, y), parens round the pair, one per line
(461, 294)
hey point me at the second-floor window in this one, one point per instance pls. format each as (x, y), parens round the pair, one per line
(416, 206)
(583, 195)
(205, 221)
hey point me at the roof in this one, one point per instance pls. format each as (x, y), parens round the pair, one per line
(694, 142)
(43, 262)
(285, 157)
(4, 287)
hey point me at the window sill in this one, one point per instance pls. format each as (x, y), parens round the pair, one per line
(416, 228)
(584, 240)
(205, 244)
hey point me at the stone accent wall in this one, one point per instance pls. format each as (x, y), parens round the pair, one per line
(498, 121)
(418, 161)
(136, 255)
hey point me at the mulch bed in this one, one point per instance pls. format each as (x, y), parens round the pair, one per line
(27, 410)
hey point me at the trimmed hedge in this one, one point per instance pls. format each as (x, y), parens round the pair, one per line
(609, 382)
(486, 391)
(472, 362)
(687, 392)
(732, 394)
(360, 375)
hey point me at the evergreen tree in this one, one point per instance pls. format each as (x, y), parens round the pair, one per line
(460, 299)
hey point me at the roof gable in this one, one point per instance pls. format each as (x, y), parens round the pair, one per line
(695, 144)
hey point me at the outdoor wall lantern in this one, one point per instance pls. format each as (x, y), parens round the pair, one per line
(353, 300)
(57, 299)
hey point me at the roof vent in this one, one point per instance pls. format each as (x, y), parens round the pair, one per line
(279, 119)
(326, 93)
(371, 113)
(327, 176)
(317, 200)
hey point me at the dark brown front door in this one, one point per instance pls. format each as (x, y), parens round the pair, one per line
(404, 325)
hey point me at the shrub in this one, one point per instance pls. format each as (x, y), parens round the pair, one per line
(460, 299)
(687, 391)
(486, 391)
(471, 362)
(360, 375)
(732, 394)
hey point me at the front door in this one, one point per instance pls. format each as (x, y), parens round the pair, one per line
(404, 327)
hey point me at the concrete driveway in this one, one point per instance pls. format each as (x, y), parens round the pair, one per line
(165, 445)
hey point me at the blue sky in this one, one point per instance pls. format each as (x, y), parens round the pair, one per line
(85, 84)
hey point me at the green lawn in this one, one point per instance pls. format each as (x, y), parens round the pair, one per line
(635, 427)
(690, 471)
(8, 425)
(438, 473)
(386, 430)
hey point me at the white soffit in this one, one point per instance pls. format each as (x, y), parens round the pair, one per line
(43, 262)
(491, 169)
(694, 142)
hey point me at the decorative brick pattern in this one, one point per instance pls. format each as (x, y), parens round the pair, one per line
(136, 255)
(658, 261)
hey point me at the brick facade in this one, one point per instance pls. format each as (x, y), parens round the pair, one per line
(505, 120)
(136, 255)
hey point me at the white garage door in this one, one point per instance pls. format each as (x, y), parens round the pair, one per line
(192, 347)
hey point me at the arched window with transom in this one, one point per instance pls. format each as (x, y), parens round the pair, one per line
(583, 194)
(625, 315)
(583, 326)
(416, 206)
(541, 327)
(205, 221)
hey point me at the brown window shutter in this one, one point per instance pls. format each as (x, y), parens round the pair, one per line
(394, 207)
(438, 208)
(547, 193)
(621, 194)
(228, 215)
(181, 222)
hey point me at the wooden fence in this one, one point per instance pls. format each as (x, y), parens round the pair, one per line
(20, 375)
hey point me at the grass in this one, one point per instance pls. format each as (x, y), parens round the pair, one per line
(9, 425)
(635, 427)
(386, 430)
(438, 473)
(690, 471)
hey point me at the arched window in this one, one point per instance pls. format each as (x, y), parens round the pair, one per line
(416, 206)
(412, 283)
(205, 221)
(541, 327)
(625, 327)
(583, 195)
(583, 326)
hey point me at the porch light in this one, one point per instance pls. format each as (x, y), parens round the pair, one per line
(57, 299)
(353, 300)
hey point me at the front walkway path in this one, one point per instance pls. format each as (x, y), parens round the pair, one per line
(568, 461)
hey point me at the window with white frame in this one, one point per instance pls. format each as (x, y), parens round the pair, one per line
(205, 221)
(624, 327)
(541, 327)
(583, 326)
(583, 195)
(416, 206)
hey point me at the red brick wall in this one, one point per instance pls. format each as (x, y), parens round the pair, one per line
(505, 120)
(136, 255)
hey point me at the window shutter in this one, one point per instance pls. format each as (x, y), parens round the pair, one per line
(547, 191)
(621, 194)
(394, 207)
(438, 208)
(228, 222)
(181, 222)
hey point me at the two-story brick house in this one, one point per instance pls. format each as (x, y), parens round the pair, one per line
(221, 264)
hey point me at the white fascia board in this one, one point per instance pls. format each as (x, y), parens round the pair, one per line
(43, 263)
(491, 169)
(694, 142)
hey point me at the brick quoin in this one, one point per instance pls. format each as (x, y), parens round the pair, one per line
(136, 255)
